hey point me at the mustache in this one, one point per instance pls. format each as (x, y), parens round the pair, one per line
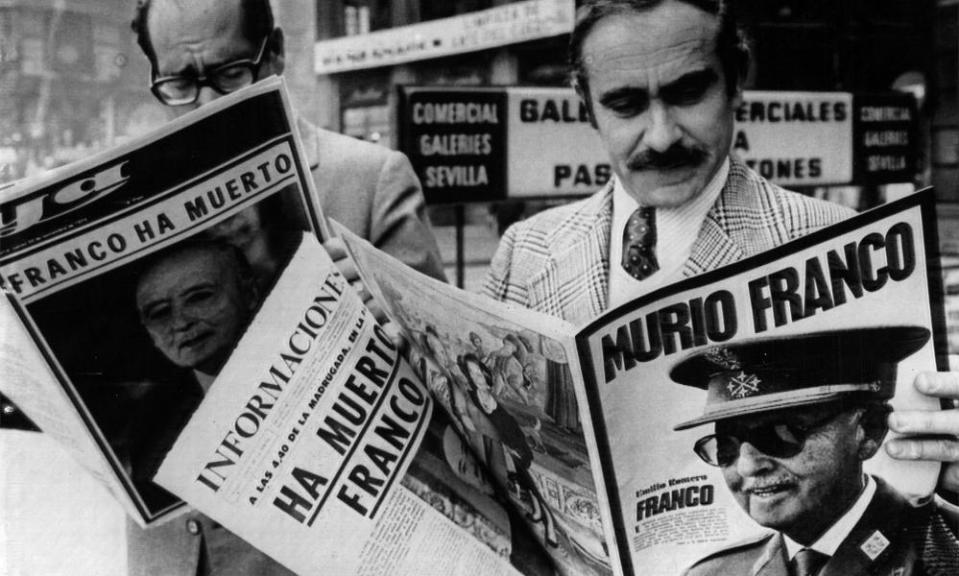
(675, 156)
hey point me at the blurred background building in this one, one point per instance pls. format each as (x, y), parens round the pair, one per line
(72, 80)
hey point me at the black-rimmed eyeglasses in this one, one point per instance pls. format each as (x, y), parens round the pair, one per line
(229, 77)
(777, 439)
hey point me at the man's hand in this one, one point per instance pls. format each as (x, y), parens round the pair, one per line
(337, 251)
(938, 430)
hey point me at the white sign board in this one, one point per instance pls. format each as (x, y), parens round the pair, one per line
(791, 138)
(481, 30)
(553, 150)
(796, 138)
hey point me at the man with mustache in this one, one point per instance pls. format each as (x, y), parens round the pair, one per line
(661, 80)
(795, 418)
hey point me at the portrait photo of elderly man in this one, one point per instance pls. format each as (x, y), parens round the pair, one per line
(795, 417)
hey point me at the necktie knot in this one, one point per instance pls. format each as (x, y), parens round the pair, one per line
(639, 244)
(808, 562)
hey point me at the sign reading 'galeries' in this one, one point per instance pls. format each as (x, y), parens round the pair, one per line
(485, 144)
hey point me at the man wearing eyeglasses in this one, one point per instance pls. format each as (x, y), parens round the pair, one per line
(201, 49)
(795, 417)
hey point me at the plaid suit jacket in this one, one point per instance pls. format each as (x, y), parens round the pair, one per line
(557, 261)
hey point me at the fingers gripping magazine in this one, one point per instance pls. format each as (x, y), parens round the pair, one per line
(129, 277)
(721, 415)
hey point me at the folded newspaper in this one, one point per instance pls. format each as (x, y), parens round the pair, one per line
(172, 318)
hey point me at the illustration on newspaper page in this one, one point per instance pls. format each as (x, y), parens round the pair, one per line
(505, 376)
(745, 402)
(130, 276)
(642, 376)
(319, 445)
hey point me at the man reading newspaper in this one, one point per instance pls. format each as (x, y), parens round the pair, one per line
(661, 80)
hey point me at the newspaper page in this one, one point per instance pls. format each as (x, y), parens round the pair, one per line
(318, 445)
(507, 377)
(680, 382)
(108, 324)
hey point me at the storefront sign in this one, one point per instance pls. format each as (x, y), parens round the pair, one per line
(481, 30)
(456, 142)
(553, 150)
(542, 144)
(796, 138)
(885, 129)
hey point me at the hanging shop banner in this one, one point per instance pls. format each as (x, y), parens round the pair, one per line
(481, 30)
(542, 144)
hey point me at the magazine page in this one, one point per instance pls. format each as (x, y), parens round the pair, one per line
(750, 401)
(509, 378)
(316, 444)
(110, 320)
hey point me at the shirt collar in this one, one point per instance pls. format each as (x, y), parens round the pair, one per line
(677, 230)
(625, 204)
(829, 542)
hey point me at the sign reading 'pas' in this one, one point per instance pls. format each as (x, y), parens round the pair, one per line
(484, 144)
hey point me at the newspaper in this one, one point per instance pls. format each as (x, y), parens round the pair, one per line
(626, 491)
(315, 431)
(82, 357)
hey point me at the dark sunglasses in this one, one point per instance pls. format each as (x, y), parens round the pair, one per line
(778, 439)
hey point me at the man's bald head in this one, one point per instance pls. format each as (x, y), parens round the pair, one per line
(256, 16)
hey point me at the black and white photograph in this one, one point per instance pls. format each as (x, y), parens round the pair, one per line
(390, 287)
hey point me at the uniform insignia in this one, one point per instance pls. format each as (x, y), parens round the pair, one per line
(874, 545)
(723, 358)
(743, 385)
(898, 571)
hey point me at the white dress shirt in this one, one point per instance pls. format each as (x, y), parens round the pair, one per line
(829, 542)
(676, 231)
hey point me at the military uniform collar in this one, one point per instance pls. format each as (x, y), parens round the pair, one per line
(829, 542)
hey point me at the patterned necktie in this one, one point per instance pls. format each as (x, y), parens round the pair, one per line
(807, 562)
(639, 244)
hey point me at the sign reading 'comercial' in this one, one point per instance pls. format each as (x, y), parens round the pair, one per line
(457, 142)
(886, 137)
(486, 144)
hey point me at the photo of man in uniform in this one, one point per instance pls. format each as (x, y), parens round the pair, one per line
(795, 417)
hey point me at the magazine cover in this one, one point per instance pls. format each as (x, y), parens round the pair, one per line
(750, 402)
(130, 276)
